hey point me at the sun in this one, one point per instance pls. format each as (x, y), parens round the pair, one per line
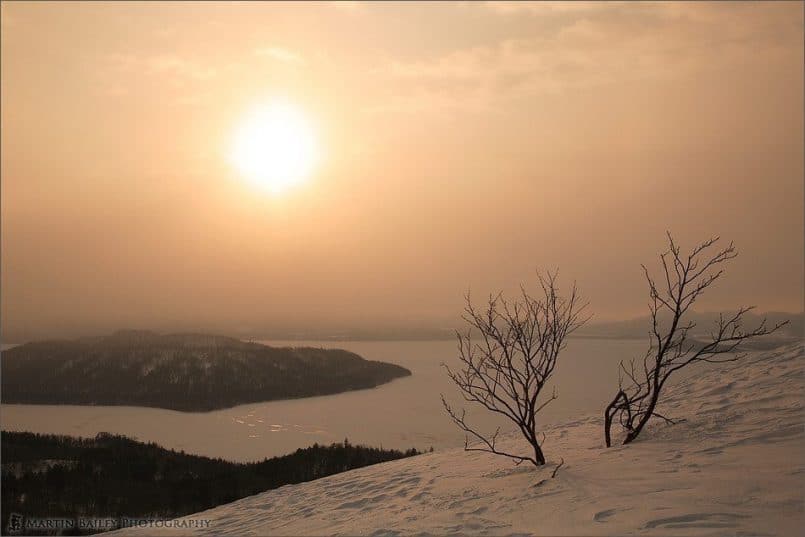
(275, 147)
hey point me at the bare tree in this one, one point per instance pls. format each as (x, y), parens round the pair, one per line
(671, 347)
(507, 368)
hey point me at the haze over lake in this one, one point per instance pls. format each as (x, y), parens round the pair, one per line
(406, 412)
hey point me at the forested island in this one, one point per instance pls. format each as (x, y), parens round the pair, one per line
(187, 372)
(112, 476)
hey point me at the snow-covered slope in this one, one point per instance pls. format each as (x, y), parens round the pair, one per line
(735, 466)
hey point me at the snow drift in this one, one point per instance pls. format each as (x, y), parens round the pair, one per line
(733, 466)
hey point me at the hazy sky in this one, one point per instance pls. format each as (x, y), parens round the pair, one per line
(463, 145)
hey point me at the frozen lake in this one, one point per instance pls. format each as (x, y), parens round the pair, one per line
(404, 413)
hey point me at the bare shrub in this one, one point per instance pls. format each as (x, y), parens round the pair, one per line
(672, 347)
(507, 367)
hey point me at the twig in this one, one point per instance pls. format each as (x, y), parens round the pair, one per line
(557, 468)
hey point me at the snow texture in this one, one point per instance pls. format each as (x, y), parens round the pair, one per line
(732, 466)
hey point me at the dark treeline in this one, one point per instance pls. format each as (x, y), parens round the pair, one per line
(115, 476)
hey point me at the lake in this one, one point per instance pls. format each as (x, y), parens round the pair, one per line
(404, 413)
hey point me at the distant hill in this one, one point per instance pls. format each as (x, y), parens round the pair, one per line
(639, 328)
(189, 372)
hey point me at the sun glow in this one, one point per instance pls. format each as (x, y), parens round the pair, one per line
(275, 147)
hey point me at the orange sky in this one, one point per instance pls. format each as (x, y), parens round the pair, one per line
(464, 145)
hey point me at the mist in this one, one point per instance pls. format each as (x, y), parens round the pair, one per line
(451, 160)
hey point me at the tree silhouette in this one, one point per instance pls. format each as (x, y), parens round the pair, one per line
(672, 347)
(507, 368)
